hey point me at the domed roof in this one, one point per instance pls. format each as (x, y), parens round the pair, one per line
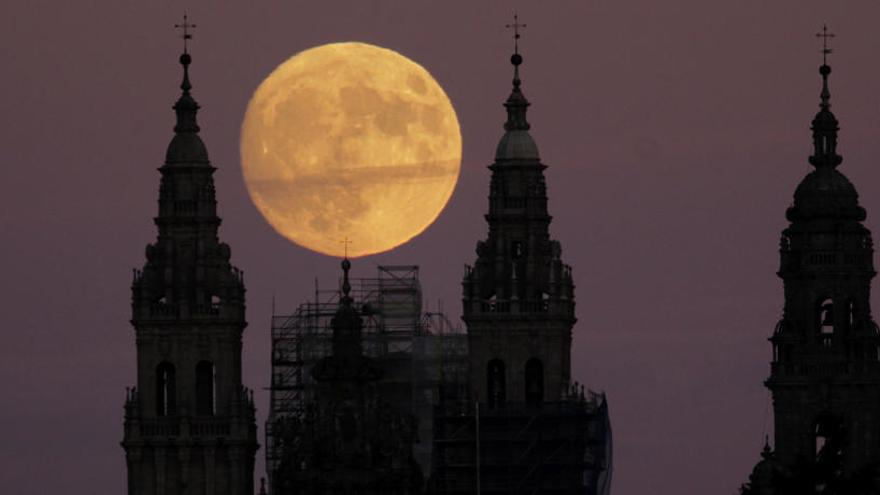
(516, 145)
(186, 148)
(826, 193)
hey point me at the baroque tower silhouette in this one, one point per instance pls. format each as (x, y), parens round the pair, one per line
(189, 423)
(825, 373)
(520, 425)
(519, 296)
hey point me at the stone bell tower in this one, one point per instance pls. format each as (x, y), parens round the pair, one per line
(189, 422)
(518, 297)
(825, 373)
(520, 425)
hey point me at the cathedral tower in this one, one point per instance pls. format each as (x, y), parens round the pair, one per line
(825, 374)
(519, 426)
(189, 423)
(518, 297)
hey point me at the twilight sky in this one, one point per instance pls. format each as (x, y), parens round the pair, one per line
(675, 133)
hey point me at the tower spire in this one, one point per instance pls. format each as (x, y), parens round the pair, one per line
(516, 103)
(188, 291)
(185, 59)
(516, 58)
(186, 147)
(346, 266)
(825, 125)
(818, 373)
(346, 285)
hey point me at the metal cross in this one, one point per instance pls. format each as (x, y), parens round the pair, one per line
(516, 25)
(186, 34)
(346, 242)
(825, 35)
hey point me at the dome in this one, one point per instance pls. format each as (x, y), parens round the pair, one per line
(826, 193)
(516, 145)
(186, 148)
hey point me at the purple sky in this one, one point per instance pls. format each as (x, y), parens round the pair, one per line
(675, 133)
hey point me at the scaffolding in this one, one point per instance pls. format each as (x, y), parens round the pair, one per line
(558, 448)
(420, 349)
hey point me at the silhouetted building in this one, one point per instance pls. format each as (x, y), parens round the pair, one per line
(356, 432)
(825, 374)
(189, 423)
(415, 351)
(520, 426)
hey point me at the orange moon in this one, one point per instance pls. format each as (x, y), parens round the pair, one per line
(350, 140)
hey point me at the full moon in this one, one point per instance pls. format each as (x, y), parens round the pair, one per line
(350, 141)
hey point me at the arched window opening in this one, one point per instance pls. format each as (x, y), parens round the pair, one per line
(534, 381)
(206, 388)
(495, 381)
(826, 321)
(828, 444)
(166, 400)
(517, 250)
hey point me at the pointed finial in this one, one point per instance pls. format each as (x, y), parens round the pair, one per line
(516, 103)
(825, 69)
(825, 95)
(767, 452)
(185, 58)
(346, 266)
(515, 59)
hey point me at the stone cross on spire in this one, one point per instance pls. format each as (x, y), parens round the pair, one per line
(516, 58)
(345, 242)
(516, 25)
(185, 27)
(825, 69)
(825, 35)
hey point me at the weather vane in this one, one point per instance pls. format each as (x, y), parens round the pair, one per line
(516, 25)
(825, 35)
(186, 34)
